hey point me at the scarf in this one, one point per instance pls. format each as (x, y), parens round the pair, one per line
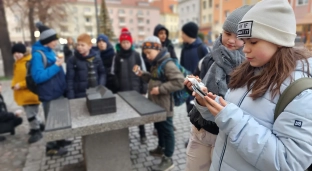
(225, 61)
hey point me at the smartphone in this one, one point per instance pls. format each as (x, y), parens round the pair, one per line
(193, 80)
(198, 90)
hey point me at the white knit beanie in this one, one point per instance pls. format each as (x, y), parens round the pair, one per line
(270, 20)
(151, 42)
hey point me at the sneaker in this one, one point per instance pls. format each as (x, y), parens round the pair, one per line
(42, 128)
(35, 136)
(157, 152)
(166, 164)
(2, 138)
(143, 140)
(57, 152)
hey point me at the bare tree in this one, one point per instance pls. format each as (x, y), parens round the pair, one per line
(5, 43)
(49, 12)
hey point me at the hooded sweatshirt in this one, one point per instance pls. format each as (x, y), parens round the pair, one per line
(167, 44)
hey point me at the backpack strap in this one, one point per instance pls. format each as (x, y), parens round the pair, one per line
(293, 90)
(44, 58)
(160, 69)
(200, 50)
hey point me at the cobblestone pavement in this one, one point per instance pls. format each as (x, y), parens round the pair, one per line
(17, 155)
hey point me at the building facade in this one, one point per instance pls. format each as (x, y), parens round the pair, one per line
(206, 20)
(137, 15)
(169, 16)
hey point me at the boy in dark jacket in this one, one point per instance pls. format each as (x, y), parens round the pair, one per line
(78, 67)
(190, 53)
(50, 79)
(107, 53)
(162, 33)
(159, 92)
(126, 58)
(8, 120)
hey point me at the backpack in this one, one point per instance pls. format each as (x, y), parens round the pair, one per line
(293, 90)
(179, 96)
(30, 83)
(200, 51)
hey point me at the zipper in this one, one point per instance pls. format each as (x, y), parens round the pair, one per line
(225, 143)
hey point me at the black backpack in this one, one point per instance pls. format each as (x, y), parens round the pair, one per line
(31, 84)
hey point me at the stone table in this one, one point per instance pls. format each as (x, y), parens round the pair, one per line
(105, 137)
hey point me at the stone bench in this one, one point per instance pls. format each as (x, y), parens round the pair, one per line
(105, 138)
(58, 116)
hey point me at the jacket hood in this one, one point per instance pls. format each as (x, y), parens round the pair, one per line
(39, 46)
(160, 27)
(194, 44)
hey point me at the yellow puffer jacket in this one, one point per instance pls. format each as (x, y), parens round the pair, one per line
(23, 96)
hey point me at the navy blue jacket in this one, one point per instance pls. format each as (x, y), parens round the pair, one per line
(77, 73)
(190, 57)
(50, 79)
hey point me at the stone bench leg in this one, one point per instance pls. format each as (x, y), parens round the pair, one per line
(107, 151)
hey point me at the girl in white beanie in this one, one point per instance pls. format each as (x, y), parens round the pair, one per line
(249, 137)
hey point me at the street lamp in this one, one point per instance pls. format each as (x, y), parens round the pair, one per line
(97, 17)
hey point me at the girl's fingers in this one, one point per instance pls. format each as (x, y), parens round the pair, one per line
(214, 104)
(223, 102)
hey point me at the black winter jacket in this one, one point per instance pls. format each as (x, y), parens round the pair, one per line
(77, 74)
(123, 65)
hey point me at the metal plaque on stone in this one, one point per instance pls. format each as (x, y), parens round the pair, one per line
(100, 100)
(59, 116)
(139, 103)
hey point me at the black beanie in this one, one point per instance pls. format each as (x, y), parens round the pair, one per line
(47, 34)
(19, 48)
(190, 29)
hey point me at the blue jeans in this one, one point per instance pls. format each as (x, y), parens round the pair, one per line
(166, 136)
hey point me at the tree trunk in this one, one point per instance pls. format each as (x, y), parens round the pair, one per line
(32, 28)
(5, 43)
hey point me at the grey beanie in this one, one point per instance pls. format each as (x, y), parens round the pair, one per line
(47, 34)
(152, 42)
(234, 18)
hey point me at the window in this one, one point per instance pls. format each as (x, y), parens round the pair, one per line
(131, 21)
(121, 11)
(76, 29)
(210, 18)
(204, 19)
(147, 21)
(210, 3)
(75, 9)
(86, 9)
(227, 13)
(193, 7)
(182, 22)
(181, 10)
(76, 19)
(89, 29)
(140, 21)
(18, 30)
(187, 9)
(88, 19)
(217, 6)
(111, 11)
(17, 19)
(147, 12)
(140, 12)
(111, 20)
(121, 20)
(131, 12)
(148, 29)
(204, 4)
(302, 2)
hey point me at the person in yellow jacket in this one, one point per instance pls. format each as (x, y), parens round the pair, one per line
(23, 96)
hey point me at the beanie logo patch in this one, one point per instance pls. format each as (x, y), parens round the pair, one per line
(244, 29)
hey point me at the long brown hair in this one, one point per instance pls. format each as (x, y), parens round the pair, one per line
(280, 67)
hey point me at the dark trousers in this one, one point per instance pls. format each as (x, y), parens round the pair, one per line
(54, 144)
(166, 136)
(142, 131)
(8, 126)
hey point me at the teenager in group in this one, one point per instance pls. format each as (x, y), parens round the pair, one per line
(69, 48)
(226, 55)
(22, 95)
(159, 92)
(124, 61)
(78, 67)
(249, 138)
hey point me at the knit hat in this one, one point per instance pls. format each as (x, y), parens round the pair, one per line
(190, 29)
(19, 47)
(125, 35)
(47, 34)
(84, 37)
(270, 20)
(152, 42)
(234, 18)
(102, 37)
